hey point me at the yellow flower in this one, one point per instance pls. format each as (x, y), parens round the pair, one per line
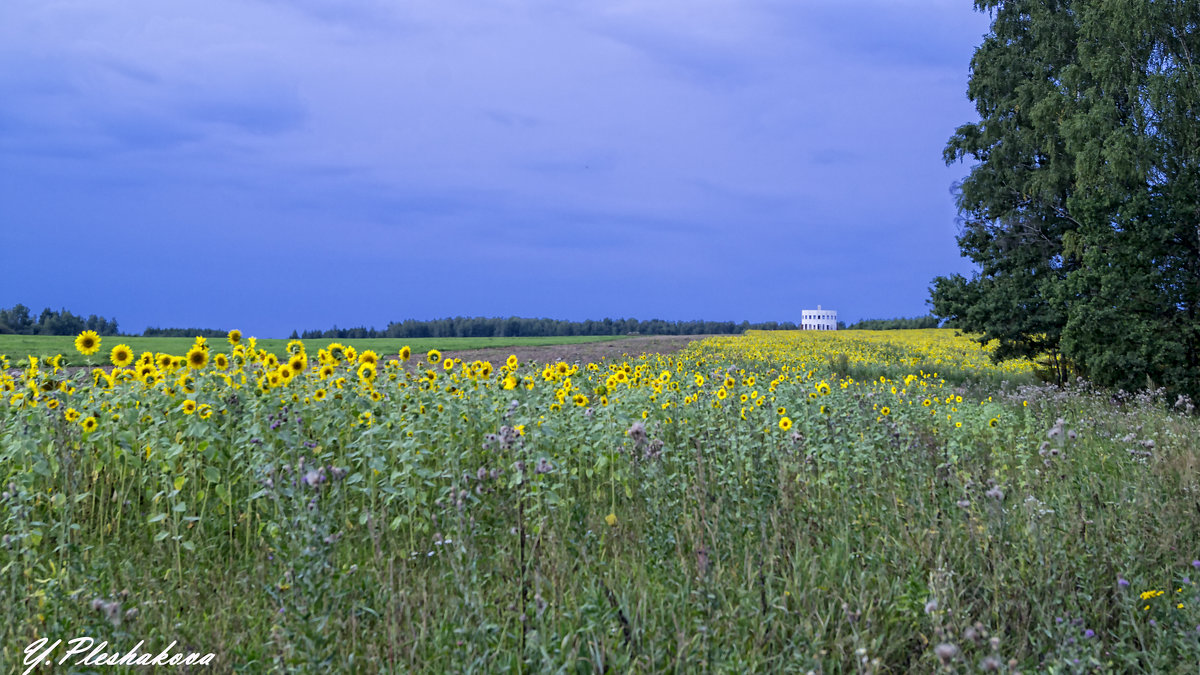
(405, 353)
(235, 336)
(510, 382)
(70, 414)
(368, 356)
(367, 372)
(885, 411)
(205, 411)
(189, 407)
(87, 343)
(993, 422)
(121, 356)
(89, 424)
(511, 362)
(611, 519)
(433, 356)
(785, 423)
(197, 358)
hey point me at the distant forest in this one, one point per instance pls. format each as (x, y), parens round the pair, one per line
(896, 324)
(521, 327)
(19, 320)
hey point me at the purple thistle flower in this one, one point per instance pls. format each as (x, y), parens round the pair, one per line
(1122, 582)
(1089, 634)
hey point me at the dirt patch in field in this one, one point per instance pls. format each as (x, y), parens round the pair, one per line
(584, 352)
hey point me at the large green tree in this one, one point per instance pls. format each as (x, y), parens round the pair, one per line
(1082, 210)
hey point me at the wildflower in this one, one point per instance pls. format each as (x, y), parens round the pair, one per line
(611, 519)
(433, 356)
(785, 423)
(234, 336)
(945, 652)
(189, 407)
(993, 422)
(89, 424)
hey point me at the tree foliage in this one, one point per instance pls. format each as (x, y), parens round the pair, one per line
(18, 320)
(917, 322)
(513, 326)
(1082, 209)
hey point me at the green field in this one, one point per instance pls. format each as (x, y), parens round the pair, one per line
(740, 506)
(19, 346)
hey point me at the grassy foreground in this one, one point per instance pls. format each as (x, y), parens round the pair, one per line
(792, 502)
(45, 346)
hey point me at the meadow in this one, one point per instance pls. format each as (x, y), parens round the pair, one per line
(824, 502)
(47, 346)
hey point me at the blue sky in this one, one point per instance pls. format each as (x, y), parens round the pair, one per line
(280, 164)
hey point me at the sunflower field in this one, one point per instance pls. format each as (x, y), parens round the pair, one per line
(824, 502)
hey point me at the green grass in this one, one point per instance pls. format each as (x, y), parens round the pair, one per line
(19, 346)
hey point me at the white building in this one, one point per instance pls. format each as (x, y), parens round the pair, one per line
(818, 319)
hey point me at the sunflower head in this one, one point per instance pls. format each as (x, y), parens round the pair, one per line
(433, 356)
(235, 336)
(405, 353)
(87, 343)
(189, 407)
(368, 356)
(197, 357)
(121, 356)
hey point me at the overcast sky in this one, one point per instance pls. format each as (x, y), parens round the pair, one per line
(280, 164)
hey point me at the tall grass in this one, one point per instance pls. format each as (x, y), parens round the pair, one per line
(471, 532)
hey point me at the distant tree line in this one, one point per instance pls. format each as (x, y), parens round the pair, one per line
(184, 332)
(896, 324)
(522, 327)
(18, 320)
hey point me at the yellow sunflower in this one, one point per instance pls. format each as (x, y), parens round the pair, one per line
(785, 423)
(433, 356)
(235, 336)
(405, 353)
(89, 424)
(189, 407)
(197, 358)
(121, 356)
(87, 343)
